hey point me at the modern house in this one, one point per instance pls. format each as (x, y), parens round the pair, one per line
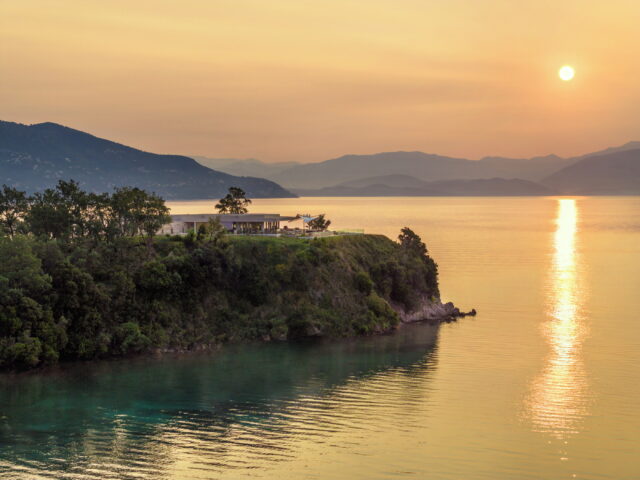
(241, 223)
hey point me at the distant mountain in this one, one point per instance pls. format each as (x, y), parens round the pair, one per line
(495, 187)
(410, 187)
(34, 157)
(422, 166)
(402, 181)
(616, 173)
(387, 169)
(535, 168)
(245, 167)
(621, 148)
(353, 167)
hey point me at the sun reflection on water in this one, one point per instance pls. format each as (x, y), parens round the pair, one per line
(558, 400)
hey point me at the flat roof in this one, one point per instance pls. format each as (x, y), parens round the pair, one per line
(244, 217)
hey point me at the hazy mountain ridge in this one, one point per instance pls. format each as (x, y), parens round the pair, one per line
(403, 181)
(34, 157)
(534, 169)
(422, 166)
(412, 187)
(353, 167)
(621, 148)
(245, 166)
(384, 173)
(616, 173)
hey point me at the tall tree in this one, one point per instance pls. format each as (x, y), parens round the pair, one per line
(63, 212)
(68, 212)
(234, 202)
(124, 203)
(136, 212)
(319, 223)
(411, 241)
(13, 208)
(215, 230)
(129, 209)
(77, 204)
(99, 220)
(49, 215)
(155, 214)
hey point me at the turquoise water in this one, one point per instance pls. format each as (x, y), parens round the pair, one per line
(229, 409)
(543, 384)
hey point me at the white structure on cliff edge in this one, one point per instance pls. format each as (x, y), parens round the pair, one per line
(241, 223)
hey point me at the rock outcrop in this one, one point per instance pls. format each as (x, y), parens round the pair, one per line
(431, 311)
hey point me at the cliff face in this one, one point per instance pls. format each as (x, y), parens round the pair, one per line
(61, 302)
(350, 285)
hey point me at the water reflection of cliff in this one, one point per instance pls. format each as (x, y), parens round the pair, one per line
(242, 407)
(558, 401)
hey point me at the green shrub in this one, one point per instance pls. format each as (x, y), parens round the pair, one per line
(363, 282)
(129, 339)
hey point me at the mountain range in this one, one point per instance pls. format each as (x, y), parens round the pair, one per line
(614, 171)
(406, 186)
(245, 166)
(34, 157)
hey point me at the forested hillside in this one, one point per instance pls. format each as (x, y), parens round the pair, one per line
(74, 292)
(35, 157)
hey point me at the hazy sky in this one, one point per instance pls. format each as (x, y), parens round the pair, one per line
(310, 80)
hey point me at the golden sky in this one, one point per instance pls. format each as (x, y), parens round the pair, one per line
(308, 80)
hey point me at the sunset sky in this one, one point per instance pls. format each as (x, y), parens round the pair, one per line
(303, 80)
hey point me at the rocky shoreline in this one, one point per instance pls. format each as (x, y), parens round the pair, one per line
(432, 311)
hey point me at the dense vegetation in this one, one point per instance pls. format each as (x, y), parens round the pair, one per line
(67, 213)
(74, 294)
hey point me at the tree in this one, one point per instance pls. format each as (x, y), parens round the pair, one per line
(136, 211)
(13, 208)
(49, 215)
(21, 267)
(99, 218)
(126, 205)
(234, 202)
(319, 223)
(155, 214)
(67, 212)
(28, 332)
(76, 202)
(409, 240)
(215, 230)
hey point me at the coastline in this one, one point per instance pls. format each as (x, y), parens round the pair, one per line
(431, 313)
(181, 294)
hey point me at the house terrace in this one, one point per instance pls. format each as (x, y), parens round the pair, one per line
(247, 224)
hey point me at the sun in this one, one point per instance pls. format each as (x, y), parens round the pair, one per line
(566, 73)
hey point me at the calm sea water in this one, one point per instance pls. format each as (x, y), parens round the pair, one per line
(543, 384)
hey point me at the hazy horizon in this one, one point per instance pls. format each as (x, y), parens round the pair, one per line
(443, 154)
(303, 81)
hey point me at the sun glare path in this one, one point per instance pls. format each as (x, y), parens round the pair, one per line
(557, 404)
